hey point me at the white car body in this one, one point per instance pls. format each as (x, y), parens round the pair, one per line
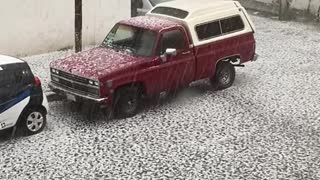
(146, 7)
(11, 112)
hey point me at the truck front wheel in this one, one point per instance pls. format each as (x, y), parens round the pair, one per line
(224, 76)
(127, 101)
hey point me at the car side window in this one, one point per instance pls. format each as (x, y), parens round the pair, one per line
(27, 76)
(6, 79)
(22, 78)
(6, 85)
(14, 79)
(173, 39)
(18, 76)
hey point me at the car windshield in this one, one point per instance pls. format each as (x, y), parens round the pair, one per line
(131, 39)
(155, 2)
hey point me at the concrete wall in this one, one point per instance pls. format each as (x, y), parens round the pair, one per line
(38, 26)
(270, 6)
(312, 6)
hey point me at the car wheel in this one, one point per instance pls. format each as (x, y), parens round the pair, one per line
(127, 102)
(33, 121)
(224, 76)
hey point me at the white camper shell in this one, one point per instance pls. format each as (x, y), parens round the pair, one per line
(194, 13)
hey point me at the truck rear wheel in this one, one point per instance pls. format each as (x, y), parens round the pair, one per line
(127, 101)
(224, 76)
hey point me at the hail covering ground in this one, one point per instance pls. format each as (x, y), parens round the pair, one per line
(264, 127)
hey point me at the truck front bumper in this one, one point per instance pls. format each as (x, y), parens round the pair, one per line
(255, 57)
(67, 92)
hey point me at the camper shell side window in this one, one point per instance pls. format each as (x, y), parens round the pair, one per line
(219, 27)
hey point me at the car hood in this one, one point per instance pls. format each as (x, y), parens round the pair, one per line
(96, 63)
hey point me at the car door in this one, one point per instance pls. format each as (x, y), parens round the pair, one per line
(178, 70)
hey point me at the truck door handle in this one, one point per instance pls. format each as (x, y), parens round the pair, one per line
(186, 52)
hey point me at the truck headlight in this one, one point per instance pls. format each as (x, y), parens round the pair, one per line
(94, 83)
(55, 71)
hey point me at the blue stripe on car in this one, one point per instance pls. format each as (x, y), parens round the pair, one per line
(15, 101)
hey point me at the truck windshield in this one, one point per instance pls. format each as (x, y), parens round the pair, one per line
(155, 2)
(131, 39)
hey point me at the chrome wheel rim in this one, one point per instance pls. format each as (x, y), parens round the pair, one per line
(35, 121)
(225, 76)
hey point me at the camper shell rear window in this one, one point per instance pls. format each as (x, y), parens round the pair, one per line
(177, 13)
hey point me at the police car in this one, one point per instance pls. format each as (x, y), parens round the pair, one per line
(22, 101)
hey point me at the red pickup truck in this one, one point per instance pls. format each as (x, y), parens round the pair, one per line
(172, 46)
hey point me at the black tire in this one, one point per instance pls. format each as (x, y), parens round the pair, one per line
(33, 121)
(76, 106)
(224, 76)
(173, 94)
(127, 101)
(154, 99)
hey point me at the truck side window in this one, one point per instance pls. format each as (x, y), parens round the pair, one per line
(208, 30)
(173, 39)
(232, 24)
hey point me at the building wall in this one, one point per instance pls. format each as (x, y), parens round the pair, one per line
(39, 26)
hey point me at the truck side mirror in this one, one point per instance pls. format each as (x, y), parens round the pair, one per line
(169, 52)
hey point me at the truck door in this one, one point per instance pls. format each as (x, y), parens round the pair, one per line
(178, 70)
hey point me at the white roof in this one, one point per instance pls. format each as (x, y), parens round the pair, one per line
(200, 7)
(4, 60)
